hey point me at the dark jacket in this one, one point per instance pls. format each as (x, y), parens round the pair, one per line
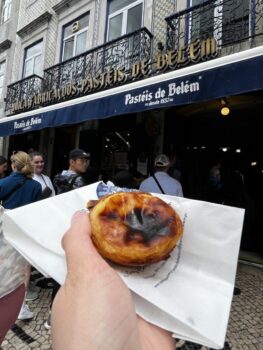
(68, 180)
(29, 192)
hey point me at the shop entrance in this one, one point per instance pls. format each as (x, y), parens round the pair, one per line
(64, 141)
(202, 138)
(119, 143)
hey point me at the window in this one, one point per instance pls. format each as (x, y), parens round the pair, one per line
(2, 77)
(125, 16)
(33, 60)
(226, 21)
(202, 23)
(75, 38)
(6, 10)
(235, 21)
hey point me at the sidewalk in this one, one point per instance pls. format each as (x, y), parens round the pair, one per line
(245, 329)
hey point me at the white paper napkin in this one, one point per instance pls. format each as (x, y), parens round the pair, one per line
(189, 294)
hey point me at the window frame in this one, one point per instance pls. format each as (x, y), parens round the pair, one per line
(250, 29)
(33, 56)
(75, 35)
(190, 24)
(6, 10)
(124, 10)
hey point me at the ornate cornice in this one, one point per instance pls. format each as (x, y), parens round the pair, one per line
(63, 5)
(4, 45)
(35, 24)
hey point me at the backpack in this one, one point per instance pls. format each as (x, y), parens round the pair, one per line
(64, 183)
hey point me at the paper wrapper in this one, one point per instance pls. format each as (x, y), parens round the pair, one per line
(188, 294)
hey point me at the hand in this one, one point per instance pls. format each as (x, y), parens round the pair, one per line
(94, 308)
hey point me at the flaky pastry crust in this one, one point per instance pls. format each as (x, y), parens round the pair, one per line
(134, 228)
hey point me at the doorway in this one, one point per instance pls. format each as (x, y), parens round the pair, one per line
(64, 140)
(200, 136)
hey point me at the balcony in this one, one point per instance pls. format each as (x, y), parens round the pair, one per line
(75, 76)
(22, 90)
(233, 23)
(119, 53)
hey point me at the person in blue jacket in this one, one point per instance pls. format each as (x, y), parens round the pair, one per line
(19, 188)
(16, 190)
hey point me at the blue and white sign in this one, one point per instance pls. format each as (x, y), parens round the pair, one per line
(202, 82)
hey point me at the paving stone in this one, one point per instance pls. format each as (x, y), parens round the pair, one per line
(244, 332)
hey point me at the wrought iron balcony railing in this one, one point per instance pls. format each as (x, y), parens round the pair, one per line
(118, 53)
(228, 21)
(23, 90)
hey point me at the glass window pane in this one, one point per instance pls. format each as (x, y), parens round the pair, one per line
(134, 18)
(6, 10)
(29, 66)
(196, 2)
(116, 5)
(1, 80)
(37, 66)
(33, 50)
(67, 31)
(202, 24)
(235, 10)
(2, 68)
(68, 48)
(84, 22)
(115, 27)
(32, 54)
(235, 21)
(81, 45)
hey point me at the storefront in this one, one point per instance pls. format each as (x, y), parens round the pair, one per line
(225, 76)
(169, 107)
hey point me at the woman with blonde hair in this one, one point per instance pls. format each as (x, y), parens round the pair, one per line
(19, 188)
(16, 190)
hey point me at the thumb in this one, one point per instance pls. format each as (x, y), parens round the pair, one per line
(79, 249)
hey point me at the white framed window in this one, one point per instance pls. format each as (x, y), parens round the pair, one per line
(6, 10)
(75, 37)
(33, 60)
(125, 16)
(2, 77)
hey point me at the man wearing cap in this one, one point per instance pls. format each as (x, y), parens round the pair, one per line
(161, 182)
(66, 181)
(73, 177)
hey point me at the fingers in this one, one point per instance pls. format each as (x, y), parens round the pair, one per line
(81, 255)
(80, 218)
(78, 233)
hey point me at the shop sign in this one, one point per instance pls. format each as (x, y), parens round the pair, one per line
(162, 96)
(25, 125)
(193, 53)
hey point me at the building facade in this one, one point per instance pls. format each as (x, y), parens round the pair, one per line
(8, 26)
(128, 79)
